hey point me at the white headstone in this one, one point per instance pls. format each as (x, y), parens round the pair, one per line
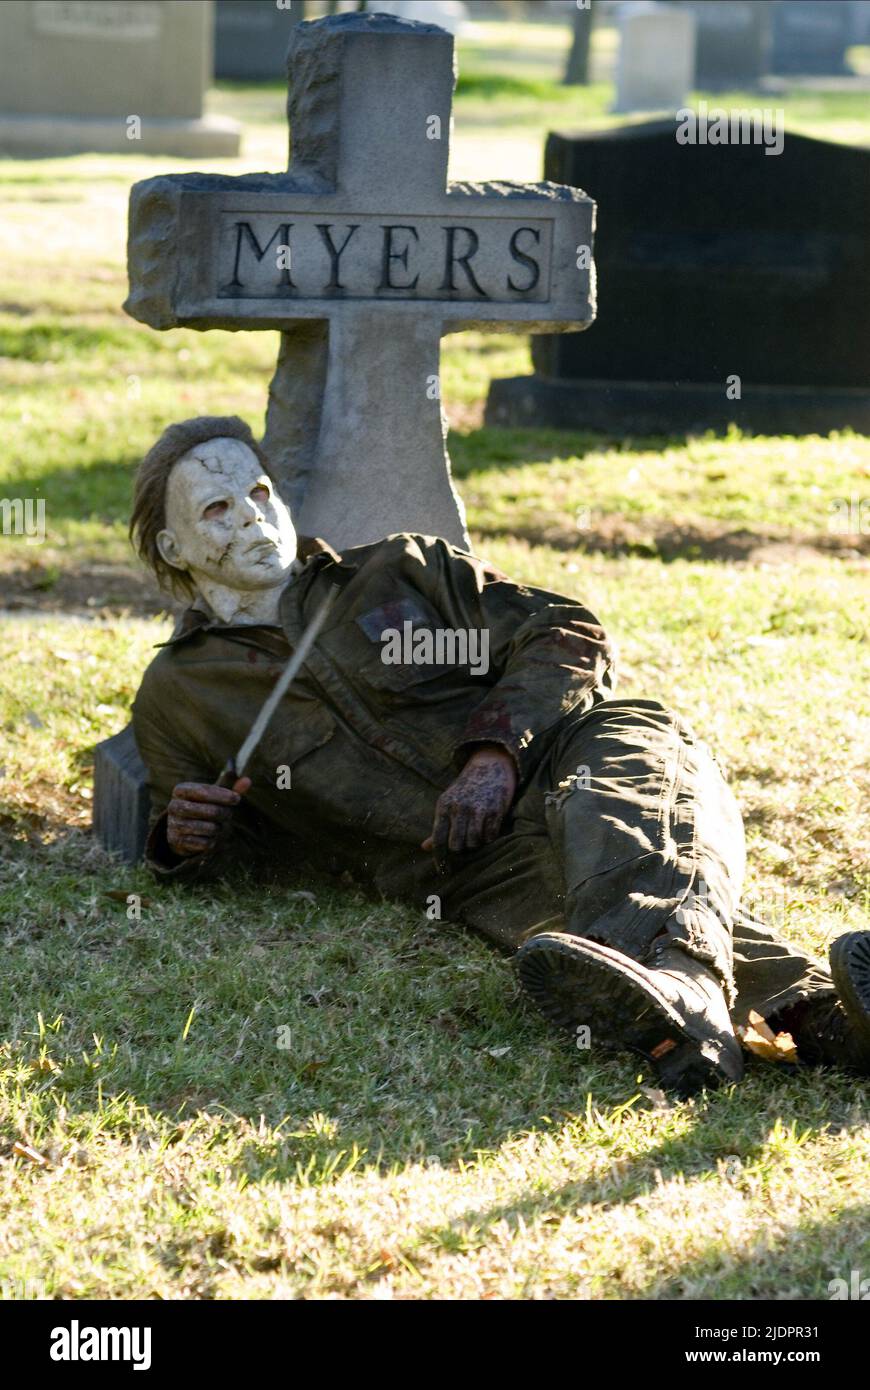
(656, 65)
(447, 14)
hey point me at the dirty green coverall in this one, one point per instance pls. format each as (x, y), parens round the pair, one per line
(622, 828)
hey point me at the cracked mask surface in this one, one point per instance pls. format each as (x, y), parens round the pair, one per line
(225, 522)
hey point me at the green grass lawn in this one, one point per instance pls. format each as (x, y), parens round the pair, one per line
(421, 1133)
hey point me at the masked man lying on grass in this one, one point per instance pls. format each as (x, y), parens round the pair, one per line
(592, 836)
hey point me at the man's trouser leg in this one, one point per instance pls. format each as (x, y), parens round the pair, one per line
(628, 834)
(648, 834)
(770, 975)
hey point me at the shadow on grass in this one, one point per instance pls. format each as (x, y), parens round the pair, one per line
(85, 591)
(101, 490)
(657, 540)
(412, 1034)
(730, 1132)
(796, 1264)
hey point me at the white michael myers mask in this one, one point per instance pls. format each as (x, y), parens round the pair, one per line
(226, 525)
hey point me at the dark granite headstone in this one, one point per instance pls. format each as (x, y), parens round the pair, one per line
(250, 38)
(121, 801)
(811, 36)
(713, 261)
(732, 42)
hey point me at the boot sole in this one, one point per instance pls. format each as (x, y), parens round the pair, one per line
(849, 958)
(575, 982)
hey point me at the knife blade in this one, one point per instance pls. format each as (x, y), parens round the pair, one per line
(235, 767)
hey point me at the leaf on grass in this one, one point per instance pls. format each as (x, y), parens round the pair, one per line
(31, 1154)
(497, 1051)
(657, 1098)
(759, 1038)
(311, 1067)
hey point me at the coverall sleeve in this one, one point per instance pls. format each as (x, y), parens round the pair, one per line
(549, 655)
(169, 763)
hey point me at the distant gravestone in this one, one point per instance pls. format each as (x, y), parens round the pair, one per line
(250, 38)
(861, 21)
(812, 38)
(447, 14)
(714, 262)
(363, 256)
(656, 63)
(732, 44)
(116, 76)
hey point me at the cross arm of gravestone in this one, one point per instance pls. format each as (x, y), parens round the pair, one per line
(363, 256)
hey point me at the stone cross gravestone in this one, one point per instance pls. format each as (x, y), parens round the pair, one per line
(117, 76)
(732, 287)
(363, 256)
(656, 66)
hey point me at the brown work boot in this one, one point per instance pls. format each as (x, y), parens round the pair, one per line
(833, 1030)
(674, 1014)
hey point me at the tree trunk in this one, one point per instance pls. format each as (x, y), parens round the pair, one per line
(577, 71)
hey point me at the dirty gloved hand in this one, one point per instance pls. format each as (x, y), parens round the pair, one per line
(197, 813)
(470, 812)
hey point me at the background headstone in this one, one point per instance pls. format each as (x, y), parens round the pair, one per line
(712, 260)
(74, 72)
(250, 39)
(860, 21)
(447, 14)
(811, 36)
(656, 63)
(732, 41)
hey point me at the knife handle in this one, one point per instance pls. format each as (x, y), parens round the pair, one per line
(229, 775)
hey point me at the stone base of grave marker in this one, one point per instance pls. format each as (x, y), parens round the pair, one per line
(664, 407)
(120, 796)
(33, 136)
